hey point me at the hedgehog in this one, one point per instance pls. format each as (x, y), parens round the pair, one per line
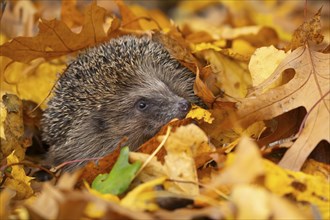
(126, 88)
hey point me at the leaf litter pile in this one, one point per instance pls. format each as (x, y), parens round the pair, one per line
(260, 150)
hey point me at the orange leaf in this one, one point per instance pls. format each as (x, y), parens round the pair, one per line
(56, 39)
(70, 15)
(130, 20)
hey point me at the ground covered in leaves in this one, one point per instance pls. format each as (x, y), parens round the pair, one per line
(259, 151)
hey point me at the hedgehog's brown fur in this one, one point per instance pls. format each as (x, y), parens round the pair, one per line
(100, 99)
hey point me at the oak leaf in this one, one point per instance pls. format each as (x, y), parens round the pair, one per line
(56, 39)
(308, 88)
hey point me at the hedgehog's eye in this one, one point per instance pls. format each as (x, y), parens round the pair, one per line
(141, 104)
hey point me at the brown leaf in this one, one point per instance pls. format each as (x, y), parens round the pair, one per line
(104, 165)
(56, 39)
(129, 19)
(315, 130)
(70, 15)
(282, 126)
(202, 90)
(309, 31)
(178, 47)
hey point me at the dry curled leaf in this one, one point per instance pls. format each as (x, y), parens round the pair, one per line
(309, 31)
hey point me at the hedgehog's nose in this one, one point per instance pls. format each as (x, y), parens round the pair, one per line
(184, 106)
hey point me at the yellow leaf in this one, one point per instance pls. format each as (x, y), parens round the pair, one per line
(107, 197)
(94, 211)
(231, 33)
(182, 146)
(23, 79)
(14, 128)
(243, 47)
(3, 115)
(199, 113)
(256, 208)
(19, 181)
(253, 202)
(153, 169)
(299, 186)
(156, 15)
(253, 131)
(231, 76)
(205, 46)
(243, 166)
(246, 165)
(263, 63)
(142, 197)
(5, 199)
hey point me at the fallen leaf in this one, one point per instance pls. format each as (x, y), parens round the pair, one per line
(20, 79)
(210, 212)
(310, 31)
(129, 19)
(316, 168)
(5, 198)
(143, 196)
(156, 18)
(199, 113)
(257, 36)
(299, 186)
(264, 205)
(104, 165)
(3, 114)
(154, 169)
(13, 128)
(308, 88)
(263, 63)
(202, 90)
(120, 177)
(56, 39)
(70, 14)
(18, 181)
(232, 76)
(107, 197)
(243, 168)
(182, 146)
(246, 167)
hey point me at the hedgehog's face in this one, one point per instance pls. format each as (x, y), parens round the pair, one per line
(153, 108)
(160, 111)
(141, 111)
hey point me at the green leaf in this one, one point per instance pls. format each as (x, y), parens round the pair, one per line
(119, 178)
